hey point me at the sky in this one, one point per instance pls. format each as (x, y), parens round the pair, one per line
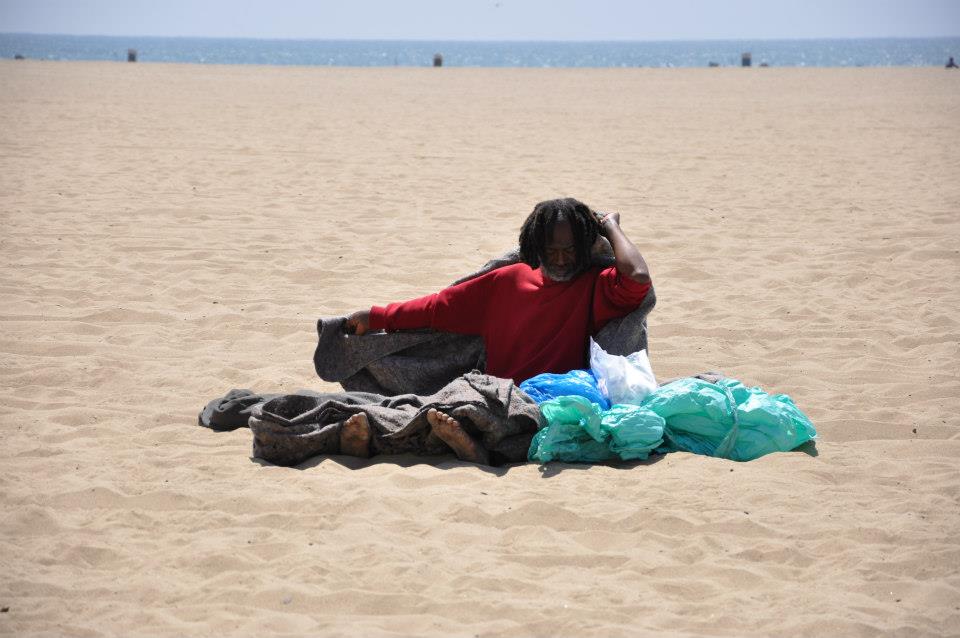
(488, 19)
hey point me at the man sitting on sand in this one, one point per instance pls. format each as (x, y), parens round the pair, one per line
(534, 316)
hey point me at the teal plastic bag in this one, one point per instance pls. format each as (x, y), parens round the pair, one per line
(634, 431)
(578, 431)
(727, 419)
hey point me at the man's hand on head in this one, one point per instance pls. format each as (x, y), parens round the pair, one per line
(629, 261)
(606, 220)
(358, 323)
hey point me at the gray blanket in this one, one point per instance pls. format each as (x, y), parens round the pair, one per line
(423, 361)
(291, 428)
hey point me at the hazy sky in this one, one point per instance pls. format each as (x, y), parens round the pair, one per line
(488, 19)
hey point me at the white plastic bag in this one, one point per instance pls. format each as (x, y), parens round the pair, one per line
(622, 379)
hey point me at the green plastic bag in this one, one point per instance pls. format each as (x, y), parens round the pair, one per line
(727, 419)
(578, 431)
(634, 431)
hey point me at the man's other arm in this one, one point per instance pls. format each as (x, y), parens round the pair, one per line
(460, 309)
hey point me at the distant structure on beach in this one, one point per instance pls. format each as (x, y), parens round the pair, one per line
(20, 57)
(131, 55)
(746, 59)
(951, 64)
(437, 59)
(713, 64)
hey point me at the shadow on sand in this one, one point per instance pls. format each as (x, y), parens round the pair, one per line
(547, 470)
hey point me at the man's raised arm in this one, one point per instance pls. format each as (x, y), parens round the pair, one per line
(630, 262)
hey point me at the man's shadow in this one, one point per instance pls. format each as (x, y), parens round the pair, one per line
(446, 462)
(450, 462)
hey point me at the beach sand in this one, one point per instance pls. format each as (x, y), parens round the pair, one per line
(174, 231)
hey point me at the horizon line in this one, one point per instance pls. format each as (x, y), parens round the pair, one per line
(490, 40)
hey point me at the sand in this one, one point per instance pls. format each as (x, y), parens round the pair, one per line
(172, 231)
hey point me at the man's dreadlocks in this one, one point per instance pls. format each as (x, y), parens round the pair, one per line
(538, 228)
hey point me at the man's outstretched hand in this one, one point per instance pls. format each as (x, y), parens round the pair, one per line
(358, 323)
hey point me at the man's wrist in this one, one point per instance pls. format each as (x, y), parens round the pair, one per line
(378, 318)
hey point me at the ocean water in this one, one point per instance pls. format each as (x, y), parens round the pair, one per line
(816, 53)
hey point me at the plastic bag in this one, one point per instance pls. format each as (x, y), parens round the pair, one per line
(634, 431)
(728, 420)
(626, 380)
(567, 434)
(580, 383)
(578, 431)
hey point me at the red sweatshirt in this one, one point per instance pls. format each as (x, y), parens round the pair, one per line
(529, 323)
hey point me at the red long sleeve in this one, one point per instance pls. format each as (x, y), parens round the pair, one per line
(461, 309)
(529, 324)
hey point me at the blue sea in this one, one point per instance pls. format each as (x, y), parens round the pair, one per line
(813, 53)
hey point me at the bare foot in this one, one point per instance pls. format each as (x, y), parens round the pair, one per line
(355, 436)
(449, 431)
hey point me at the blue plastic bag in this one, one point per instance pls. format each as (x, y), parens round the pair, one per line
(577, 383)
(728, 420)
(578, 431)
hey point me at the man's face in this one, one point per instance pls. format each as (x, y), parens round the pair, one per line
(559, 261)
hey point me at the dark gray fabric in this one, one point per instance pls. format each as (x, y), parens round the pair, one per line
(231, 411)
(289, 429)
(423, 361)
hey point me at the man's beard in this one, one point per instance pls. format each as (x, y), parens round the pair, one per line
(566, 274)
